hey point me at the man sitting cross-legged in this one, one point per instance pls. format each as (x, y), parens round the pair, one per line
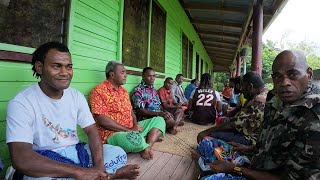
(111, 107)
(147, 103)
(42, 127)
(167, 101)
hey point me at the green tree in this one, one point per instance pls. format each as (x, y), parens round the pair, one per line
(218, 80)
(269, 52)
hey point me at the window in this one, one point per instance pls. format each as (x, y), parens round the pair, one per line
(158, 33)
(201, 67)
(207, 68)
(135, 33)
(197, 66)
(187, 53)
(30, 23)
(189, 74)
(136, 39)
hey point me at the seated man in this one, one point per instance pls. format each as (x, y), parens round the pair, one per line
(191, 87)
(178, 93)
(227, 90)
(147, 104)
(112, 110)
(204, 102)
(167, 101)
(288, 146)
(243, 127)
(42, 126)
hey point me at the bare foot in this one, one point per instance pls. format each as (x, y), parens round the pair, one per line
(147, 154)
(181, 123)
(195, 155)
(173, 131)
(130, 171)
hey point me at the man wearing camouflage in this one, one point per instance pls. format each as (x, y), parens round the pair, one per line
(243, 128)
(289, 143)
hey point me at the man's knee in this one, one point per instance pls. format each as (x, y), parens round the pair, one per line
(159, 122)
(114, 158)
(109, 147)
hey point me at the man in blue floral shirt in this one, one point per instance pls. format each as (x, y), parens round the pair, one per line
(146, 101)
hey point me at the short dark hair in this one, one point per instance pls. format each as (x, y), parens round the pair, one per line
(179, 75)
(237, 80)
(193, 81)
(42, 51)
(168, 78)
(254, 78)
(146, 69)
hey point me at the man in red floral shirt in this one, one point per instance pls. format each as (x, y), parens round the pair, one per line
(112, 110)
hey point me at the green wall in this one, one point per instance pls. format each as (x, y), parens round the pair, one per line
(94, 38)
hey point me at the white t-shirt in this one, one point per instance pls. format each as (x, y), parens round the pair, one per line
(48, 124)
(215, 92)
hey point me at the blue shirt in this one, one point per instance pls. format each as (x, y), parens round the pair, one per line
(188, 90)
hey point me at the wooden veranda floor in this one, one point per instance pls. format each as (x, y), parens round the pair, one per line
(165, 166)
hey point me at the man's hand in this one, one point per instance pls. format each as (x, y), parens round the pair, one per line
(137, 128)
(240, 147)
(221, 166)
(166, 115)
(92, 173)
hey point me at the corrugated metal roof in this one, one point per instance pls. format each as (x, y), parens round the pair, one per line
(221, 23)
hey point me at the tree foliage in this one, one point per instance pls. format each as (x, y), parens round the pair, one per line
(219, 79)
(271, 49)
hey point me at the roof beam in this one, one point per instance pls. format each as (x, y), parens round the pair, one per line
(220, 49)
(227, 61)
(218, 40)
(211, 7)
(218, 23)
(223, 57)
(221, 63)
(220, 53)
(218, 33)
(220, 45)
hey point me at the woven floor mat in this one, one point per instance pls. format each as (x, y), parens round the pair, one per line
(183, 142)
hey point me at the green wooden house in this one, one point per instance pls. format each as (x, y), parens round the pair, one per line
(172, 36)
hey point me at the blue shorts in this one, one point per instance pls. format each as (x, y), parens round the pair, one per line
(114, 159)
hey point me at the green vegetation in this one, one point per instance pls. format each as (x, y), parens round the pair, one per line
(269, 52)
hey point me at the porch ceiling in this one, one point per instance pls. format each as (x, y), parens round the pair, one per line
(225, 25)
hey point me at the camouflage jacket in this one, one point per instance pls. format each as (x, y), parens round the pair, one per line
(289, 141)
(249, 119)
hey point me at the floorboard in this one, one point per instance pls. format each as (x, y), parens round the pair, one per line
(168, 169)
(153, 171)
(165, 166)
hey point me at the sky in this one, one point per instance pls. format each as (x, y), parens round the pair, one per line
(299, 18)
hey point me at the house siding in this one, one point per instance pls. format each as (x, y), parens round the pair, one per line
(94, 38)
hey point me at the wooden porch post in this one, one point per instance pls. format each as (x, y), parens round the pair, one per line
(238, 68)
(257, 36)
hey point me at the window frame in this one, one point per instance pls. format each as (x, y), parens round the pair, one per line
(136, 70)
(18, 53)
(187, 72)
